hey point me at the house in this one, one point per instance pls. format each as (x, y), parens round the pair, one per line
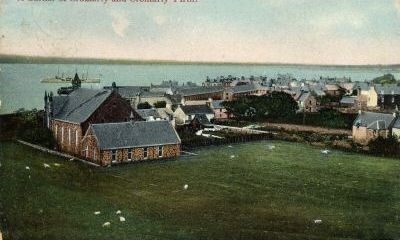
(388, 96)
(244, 90)
(157, 114)
(333, 90)
(185, 114)
(201, 93)
(68, 117)
(370, 125)
(220, 111)
(348, 101)
(112, 143)
(306, 101)
(396, 129)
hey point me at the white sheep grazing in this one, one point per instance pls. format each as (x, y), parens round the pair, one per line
(72, 159)
(326, 151)
(118, 212)
(230, 146)
(232, 156)
(46, 165)
(271, 147)
(185, 187)
(57, 164)
(106, 224)
(27, 168)
(97, 213)
(318, 221)
(121, 219)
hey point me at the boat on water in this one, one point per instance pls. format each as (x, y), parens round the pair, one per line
(58, 79)
(67, 79)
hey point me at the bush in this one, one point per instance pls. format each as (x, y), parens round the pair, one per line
(144, 105)
(385, 146)
(160, 104)
(31, 129)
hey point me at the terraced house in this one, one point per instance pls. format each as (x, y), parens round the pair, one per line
(113, 143)
(69, 116)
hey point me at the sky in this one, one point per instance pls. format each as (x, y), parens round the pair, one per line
(263, 31)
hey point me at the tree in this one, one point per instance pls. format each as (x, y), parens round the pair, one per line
(144, 105)
(160, 104)
(276, 105)
(385, 79)
(31, 129)
(385, 146)
(280, 105)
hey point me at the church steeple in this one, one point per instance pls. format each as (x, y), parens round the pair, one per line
(76, 82)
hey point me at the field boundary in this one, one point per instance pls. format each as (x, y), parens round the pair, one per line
(56, 153)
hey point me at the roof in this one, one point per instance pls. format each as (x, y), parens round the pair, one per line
(196, 109)
(129, 91)
(374, 121)
(217, 104)
(202, 119)
(200, 90)
(79, 105)
(245, 88)
(364, 86)
(331, 87)
(304, 96)
(387, 89)
(348, 100)
(397, 123)
(146, 113)
(138, 134)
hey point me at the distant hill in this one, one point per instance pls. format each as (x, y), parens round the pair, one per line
(385, 79)
(62, 60)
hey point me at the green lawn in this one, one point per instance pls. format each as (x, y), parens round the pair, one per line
(259, 194)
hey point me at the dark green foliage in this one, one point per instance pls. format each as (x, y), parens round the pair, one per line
(385, 79)
(160, 104)
(385, 146)
(278, 105)
(144, 105)
(31, 129)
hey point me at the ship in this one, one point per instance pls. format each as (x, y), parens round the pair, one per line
(66, 79)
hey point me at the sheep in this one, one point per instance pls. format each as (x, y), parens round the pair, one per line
(185, 187)
(97, 213)
(46, 165)
(232, 156)
(106, 224)
(27, 168)
(57, 164)
(326, 151)
(121, 219)
(230, 146)
(72, 159)
(118, 212)
(318, 221)
(271, 147)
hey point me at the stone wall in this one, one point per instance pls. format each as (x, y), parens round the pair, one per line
(68, 136)
(169, 151)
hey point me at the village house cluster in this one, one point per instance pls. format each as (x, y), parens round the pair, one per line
(134, 123)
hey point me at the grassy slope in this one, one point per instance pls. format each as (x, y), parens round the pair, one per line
(259, 194)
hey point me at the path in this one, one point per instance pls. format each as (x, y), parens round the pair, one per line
(303, 128)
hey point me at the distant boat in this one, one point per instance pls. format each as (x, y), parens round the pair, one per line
(57, 79)
(62, 79)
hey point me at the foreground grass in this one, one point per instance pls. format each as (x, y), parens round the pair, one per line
(258, 194)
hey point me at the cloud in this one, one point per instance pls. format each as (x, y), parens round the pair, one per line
(120, 23)
(350, 19)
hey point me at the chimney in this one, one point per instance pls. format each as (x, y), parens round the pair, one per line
(359, 111)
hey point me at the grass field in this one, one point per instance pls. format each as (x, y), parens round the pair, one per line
(258, 194)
